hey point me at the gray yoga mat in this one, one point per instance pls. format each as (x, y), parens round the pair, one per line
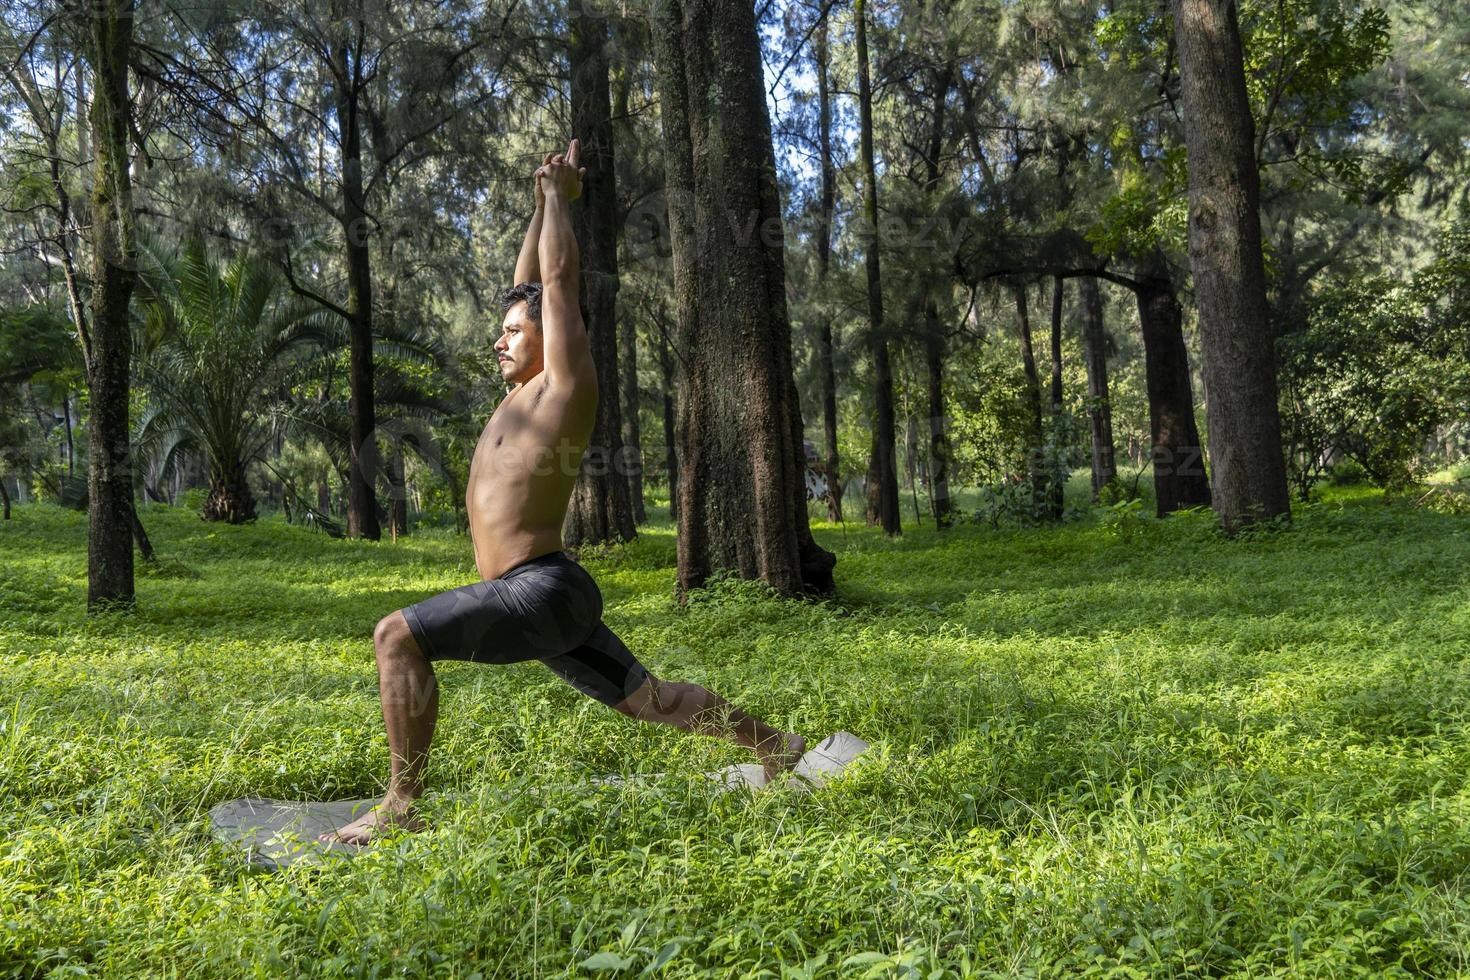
(277, 833)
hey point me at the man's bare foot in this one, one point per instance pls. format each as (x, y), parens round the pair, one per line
(394, 813)
(783, 756)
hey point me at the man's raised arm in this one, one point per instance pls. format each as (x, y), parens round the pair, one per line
(528, 264)
(563, 334)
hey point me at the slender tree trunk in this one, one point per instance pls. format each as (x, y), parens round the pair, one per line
(933, 334)
(1033, 399)
(1056, 488)
(632, 436)
(670, 384)
(362, 505)
(742, 488)
(1236, 342)
(911, 463)
(882, 465)
(1178, 457)
(873, 489)
(632, 400)
(397, 490)
(70, 447)
(390, 443)
(5, 497)
(938, 436)
(825, 343)
(114, 264)
(1099, 410)
(140, 537)
(601, 509)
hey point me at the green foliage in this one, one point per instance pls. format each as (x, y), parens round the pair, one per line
(219, 347)
(1378, 370)
(1123, 747)
(989, 424)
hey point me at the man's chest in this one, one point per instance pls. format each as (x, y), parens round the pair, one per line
(519, 431)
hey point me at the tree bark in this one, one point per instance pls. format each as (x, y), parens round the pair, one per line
(1236, 343)
(1037, 471)
(632, 436)
(825, 344)
(884, 486)
(933, 335)
(1099, 410)
(1056, 489)
(1178, 457)
(5, 497)
(632, 400)
(938, 436)
(230, 499)
(397, 490)
(140, 537)
(670, 384)
(114, 265)
(601, 509)
(742, 489)
(362, 505)
(70, 446)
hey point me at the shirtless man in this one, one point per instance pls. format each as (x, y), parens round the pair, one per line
(533, 602)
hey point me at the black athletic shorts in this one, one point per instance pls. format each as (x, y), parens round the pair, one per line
(546, 609)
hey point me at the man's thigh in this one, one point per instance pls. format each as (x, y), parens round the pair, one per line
(602, 668)
(500, 621)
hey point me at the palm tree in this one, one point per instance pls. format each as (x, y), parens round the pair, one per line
(218, 346)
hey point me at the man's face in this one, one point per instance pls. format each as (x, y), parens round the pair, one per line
(519, 346)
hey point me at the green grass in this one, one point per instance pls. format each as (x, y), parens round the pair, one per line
(1124, 746)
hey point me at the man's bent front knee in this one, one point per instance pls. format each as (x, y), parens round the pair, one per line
(393, 638)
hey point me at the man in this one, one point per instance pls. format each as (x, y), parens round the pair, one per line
(533, 602)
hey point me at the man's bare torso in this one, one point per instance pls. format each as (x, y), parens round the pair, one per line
(523, 471)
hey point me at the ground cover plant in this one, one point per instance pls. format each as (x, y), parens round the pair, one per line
(1118, 746)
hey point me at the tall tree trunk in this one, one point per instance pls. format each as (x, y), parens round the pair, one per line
(390, 443)
(742, 488)
(1099, 410)
(632, 436)
(1034, 434)
(114, 264)
(873, 489)
(938, 436)
(632, 399)
(670, 384)
(933, 334)
(601, 509)
(1237, 347)
(1056, 488)
(1178, 457)
(5, 497)
(70, 446)
(140, 537)
(397, 490)
(882, 465)
(911, 460)
(825, 359)
(362, 504)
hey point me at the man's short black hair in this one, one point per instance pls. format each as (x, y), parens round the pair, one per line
(530, 293)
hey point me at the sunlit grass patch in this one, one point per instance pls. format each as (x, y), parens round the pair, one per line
(1122, 745)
